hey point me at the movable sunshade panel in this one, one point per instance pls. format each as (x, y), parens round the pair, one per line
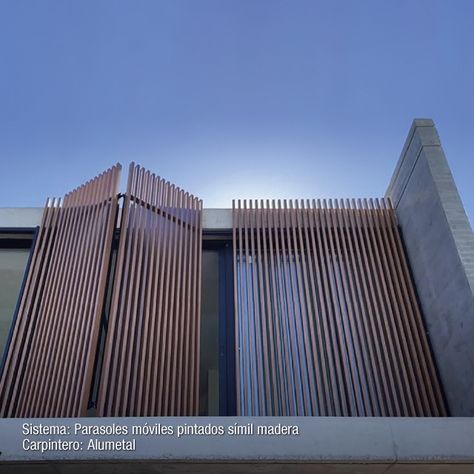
(327, 321)
(50, 359)
(151, 357)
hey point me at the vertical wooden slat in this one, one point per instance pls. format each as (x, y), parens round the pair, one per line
(247, 328)
(415, 321)
(339, 295)
(161, 312)
(277, 342)
(82, 355)
(113, 333)
(307, 367)
(168, 310)
(47, 327)
(315, 306)
(143, 360)
(267, 352)
(360, 297)
(274, 256)
(362, 378)
(413, 395)
(180, 296)
(152, 346)
(48, 371)
(344, 385)
(399, 381)
(329, 351)
(142, 324)
(237, 303)
(380, 313)
(288, 330)
(318, 401)
(255, 312)
(23, 326)
(197, 306)
(27, 320)
(72, 342)
(326, 311)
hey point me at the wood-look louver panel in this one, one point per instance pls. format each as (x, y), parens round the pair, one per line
(327, 321)
(151, 360)
(49, 364)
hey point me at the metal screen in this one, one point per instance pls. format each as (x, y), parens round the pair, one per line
(327, 321)
(49, 364)
(151, 360)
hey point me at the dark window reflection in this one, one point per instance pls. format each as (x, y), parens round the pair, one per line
(12, 268)
(209, 357)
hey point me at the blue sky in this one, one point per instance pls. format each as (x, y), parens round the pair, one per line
(242, 99)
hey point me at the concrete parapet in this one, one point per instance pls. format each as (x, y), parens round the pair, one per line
(440, 246)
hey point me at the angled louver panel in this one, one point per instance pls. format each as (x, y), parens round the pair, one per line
(50, 359)
(327, 321)
(151, 358)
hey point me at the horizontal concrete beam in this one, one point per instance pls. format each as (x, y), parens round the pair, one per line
(26, 217)
(217, 219)
(20, 217)
(334, 440)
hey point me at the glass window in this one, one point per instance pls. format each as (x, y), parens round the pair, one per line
(12, 268)
(217, 355)
(209, 358)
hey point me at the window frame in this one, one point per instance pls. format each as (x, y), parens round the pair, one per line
(27, 240)
(221, 241)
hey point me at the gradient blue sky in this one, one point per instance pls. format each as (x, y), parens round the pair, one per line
(248, 98)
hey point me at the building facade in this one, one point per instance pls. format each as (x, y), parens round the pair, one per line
(144, 303)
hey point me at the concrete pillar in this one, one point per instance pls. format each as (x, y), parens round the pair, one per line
(440, 245)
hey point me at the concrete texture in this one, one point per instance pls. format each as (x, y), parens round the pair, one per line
(217, 219)
(14, 217)
(440, 246)
(324, 444)
(18, 217)
(234, 468)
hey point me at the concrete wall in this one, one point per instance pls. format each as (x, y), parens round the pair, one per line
(17, 217)
(323, 444)
(440, 247)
